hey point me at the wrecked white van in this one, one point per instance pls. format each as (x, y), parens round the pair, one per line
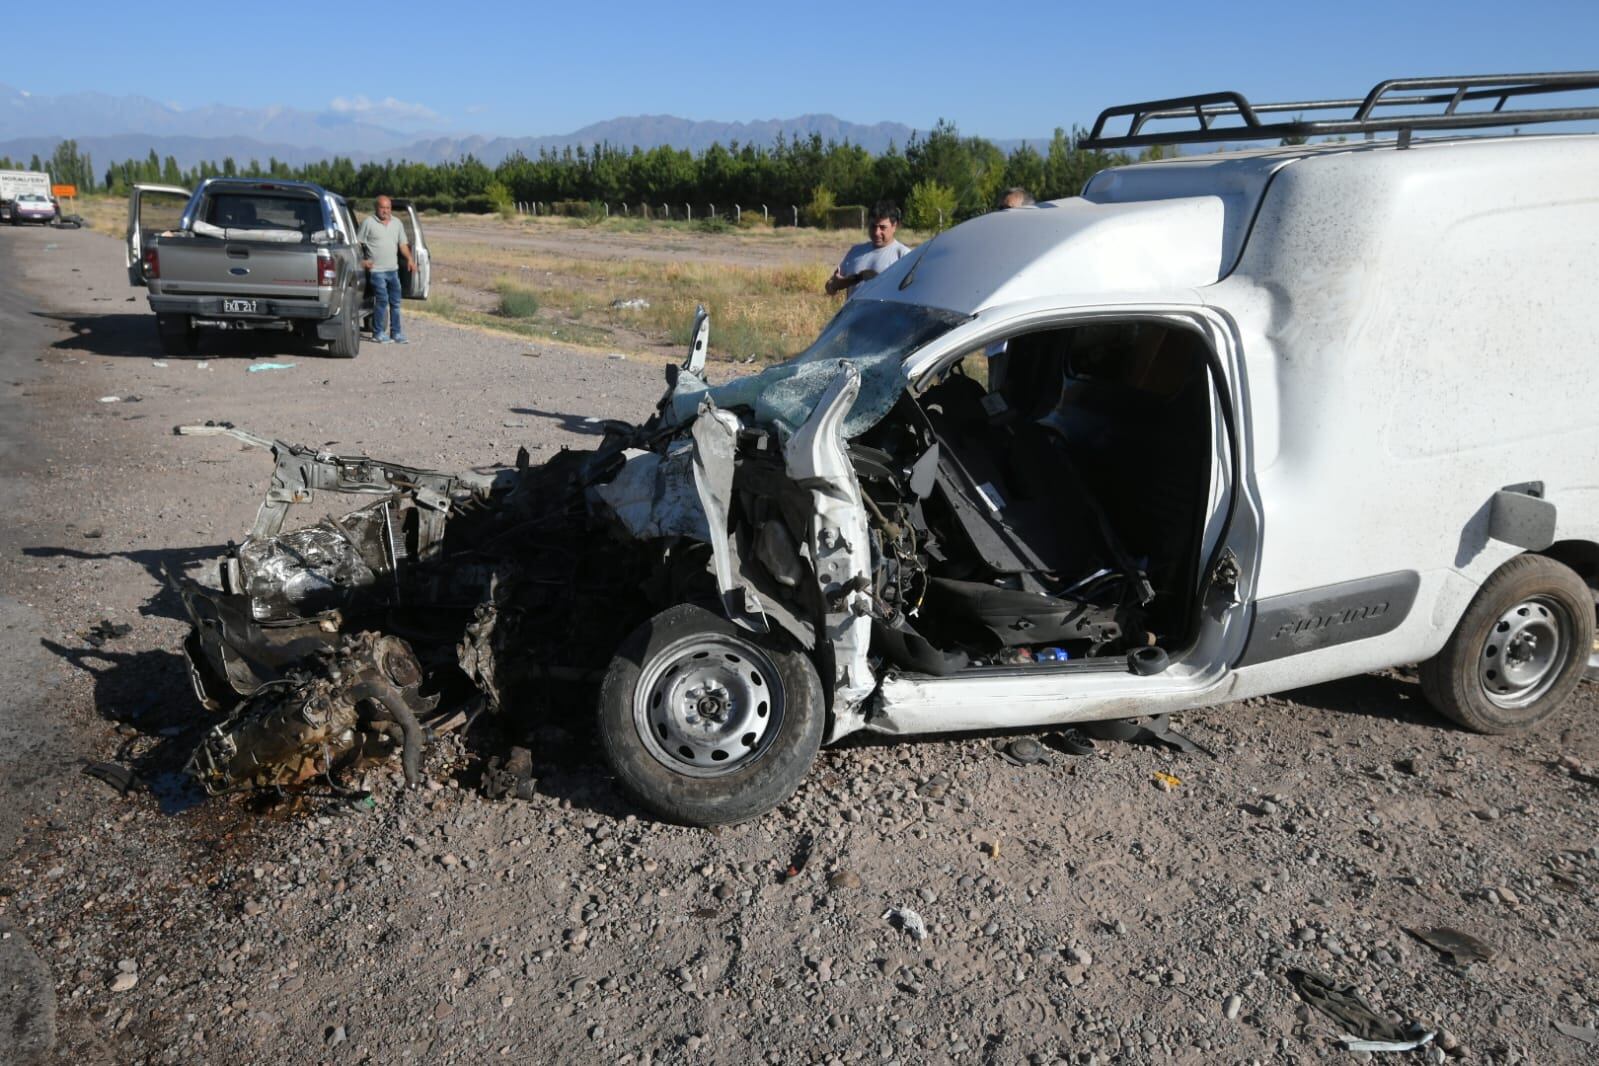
(1221, 426)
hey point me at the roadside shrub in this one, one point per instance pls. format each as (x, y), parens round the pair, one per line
(820, 210)
(442, 304)
(515, 301)
(713, 225)
(500, 196)
(926, 201)
(476, 204)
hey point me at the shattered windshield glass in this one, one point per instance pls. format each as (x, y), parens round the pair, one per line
(875, 335)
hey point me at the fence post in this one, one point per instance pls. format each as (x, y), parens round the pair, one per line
(795, 209)
(688, 211)
(764, 216)
(738, 214)
(940, 218)
(607, 204)
(863, 216)
(713, 212)
(625, 212)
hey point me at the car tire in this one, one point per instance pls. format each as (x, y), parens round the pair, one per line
(707, 724)
(178, 334)
(1520, 649)
(348, 342)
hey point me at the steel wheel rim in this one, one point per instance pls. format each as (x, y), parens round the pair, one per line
(1524, 652)
(708, 705)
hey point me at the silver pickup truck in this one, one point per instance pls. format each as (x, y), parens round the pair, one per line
(257, 254)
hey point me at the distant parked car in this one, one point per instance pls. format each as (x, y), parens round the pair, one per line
(32, 207)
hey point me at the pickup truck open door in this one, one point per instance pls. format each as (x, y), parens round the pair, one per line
(414, 286)
(151, 209)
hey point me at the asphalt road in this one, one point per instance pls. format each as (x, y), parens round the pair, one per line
(100, 496)
(35, 752)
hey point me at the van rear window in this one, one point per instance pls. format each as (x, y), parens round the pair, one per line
(264, 211)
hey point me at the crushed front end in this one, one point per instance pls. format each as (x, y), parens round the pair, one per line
(368, 632)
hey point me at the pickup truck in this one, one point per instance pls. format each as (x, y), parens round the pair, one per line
(257, 254)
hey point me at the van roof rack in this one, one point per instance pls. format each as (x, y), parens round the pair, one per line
(1418, 99)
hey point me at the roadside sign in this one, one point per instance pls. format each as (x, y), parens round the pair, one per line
(59, 191)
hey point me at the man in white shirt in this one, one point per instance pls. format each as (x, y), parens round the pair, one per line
(870, 258)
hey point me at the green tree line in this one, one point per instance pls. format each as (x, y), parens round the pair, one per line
(942, 176)
(66, 166)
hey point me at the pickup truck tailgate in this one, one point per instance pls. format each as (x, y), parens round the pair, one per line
(198, 265)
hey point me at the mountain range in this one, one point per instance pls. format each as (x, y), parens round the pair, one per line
(112, 128)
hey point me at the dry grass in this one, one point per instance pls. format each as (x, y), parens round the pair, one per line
(103, 214)
(767, 312)
(826, 243)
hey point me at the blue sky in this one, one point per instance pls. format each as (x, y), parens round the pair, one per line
(999, 69)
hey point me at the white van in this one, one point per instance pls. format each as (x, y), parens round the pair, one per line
(1223, 425)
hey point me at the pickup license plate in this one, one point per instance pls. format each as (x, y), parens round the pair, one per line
(238, 307)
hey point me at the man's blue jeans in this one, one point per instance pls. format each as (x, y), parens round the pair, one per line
(386, 291)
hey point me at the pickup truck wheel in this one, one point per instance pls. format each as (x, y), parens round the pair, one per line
(348, 342)
(1519, 651)
(705, 723)
(178, 335)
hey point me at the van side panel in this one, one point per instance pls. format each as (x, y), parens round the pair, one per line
(1419, 331)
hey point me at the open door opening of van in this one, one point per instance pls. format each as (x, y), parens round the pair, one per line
(1063, 515)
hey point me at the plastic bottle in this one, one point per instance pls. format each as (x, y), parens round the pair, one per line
(1051, 655)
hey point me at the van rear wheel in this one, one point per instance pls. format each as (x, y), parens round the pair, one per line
(1519, 651)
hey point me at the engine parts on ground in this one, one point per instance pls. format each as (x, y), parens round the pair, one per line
(363, 694)
(509, 776)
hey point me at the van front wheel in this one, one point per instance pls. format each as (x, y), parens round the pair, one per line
(705, 723)
(1518, 652)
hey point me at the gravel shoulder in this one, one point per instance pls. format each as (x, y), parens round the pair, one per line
(1076, 911)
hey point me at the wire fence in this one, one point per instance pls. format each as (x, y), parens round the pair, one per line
(849, 216)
